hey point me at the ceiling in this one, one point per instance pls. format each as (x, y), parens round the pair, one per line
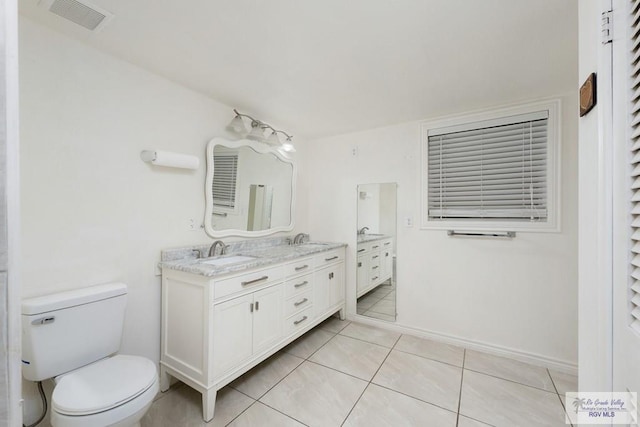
(326, 67)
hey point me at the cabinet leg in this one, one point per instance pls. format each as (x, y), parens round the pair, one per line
(208, 404)
(165, 379)
(342, 314)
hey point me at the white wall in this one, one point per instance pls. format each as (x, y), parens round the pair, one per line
(10, 333)
(518, 296)
(92, 211)
(595, 207)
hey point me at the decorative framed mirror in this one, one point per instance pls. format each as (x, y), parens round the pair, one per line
(249, 189)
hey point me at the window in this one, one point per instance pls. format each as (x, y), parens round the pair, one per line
(225, 171)
(497, 173)
(634, 172)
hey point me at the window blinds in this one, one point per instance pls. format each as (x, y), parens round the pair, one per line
(225, 170)
(634, 293)
(489, 170)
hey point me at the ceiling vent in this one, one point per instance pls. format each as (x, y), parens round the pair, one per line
(89, 16)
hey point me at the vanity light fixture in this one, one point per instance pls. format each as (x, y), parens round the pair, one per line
(258, 128)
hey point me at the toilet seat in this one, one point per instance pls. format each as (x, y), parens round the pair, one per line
(103, 386)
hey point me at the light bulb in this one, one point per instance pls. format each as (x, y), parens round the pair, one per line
(273, 139)
(288, 146)
(257, 132)
(237, 125)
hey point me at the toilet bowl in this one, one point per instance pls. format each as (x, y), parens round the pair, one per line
(74, 337)
(116, 391)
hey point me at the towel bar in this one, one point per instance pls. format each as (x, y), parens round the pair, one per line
(508, 234)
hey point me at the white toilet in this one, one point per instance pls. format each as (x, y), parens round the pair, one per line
(72, 337)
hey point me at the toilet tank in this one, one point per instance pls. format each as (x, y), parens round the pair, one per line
(64, 331)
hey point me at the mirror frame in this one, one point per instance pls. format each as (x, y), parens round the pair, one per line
(261, 148)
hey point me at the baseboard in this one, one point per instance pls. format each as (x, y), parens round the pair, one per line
(532, 358)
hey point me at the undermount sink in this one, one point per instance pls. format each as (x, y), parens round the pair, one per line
(228, 260)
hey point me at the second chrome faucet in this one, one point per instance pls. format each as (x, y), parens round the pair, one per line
(212, 249)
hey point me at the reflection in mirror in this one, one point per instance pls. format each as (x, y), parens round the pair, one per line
(249, 189)
(376, 260)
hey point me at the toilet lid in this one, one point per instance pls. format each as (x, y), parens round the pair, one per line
(103, 385)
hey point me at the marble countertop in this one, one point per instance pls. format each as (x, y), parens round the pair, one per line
(264, 256)
(364, 238)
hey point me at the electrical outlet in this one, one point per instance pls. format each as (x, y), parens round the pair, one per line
(408, 221)
(354, 151)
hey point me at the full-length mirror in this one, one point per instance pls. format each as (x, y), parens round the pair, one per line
(249, 189)
(376, 251)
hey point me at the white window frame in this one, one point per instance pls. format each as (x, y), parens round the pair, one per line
(552, 224)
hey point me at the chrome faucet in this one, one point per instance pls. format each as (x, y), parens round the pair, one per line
(363, 230)
(300, 238)
(212, 249)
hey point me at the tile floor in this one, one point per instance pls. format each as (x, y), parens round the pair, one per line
(379, 303)
(349, 374)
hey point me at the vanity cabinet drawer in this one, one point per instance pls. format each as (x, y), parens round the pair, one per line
(298, 320)
(374, 259)
(298, 285)
(363, 248)
(297, 303)
(329, 257)
(246, 281)
(299, 267)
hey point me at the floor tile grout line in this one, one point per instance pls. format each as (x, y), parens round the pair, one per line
(243, 411)
(286, 415)
(370, 342)
(511, 381)
(480, 421)
(336, 370)
(552, 381)
(464, 355)
(412, 397)
(240, 391)
(355, 404)
(321, 347)
(370, 382)
(430, 358)
(564, 407)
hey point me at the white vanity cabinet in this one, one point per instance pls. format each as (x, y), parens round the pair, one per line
(374, 264)
(214, 329)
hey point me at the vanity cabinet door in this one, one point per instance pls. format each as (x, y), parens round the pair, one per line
(267, 317)
(232, 333)
(326, 287)
(386, 264)
(362, 273)
(336, 285)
